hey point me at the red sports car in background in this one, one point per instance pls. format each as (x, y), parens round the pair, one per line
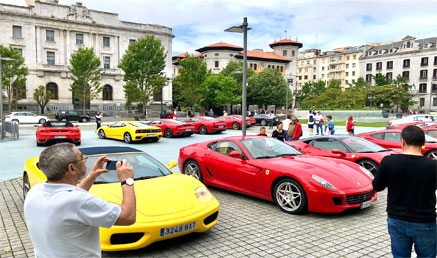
(352, 148)
(206, 124)
(57, 131)
(233, 122)
(429, 129)
(251, 119)
(172, 127)
(266, 168)
(391, 138)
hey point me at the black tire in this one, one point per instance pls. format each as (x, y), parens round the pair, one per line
(42, 121)
(84, 120)
(168, 133)
(39, 144)
(369, 165)
(203, 130)
(26, 185)
(102, 134)
(263, 122)
(290, 197)
(127, 138)
(15, 120)
(63, 119)
(235, 126)
(432, 154)
(192, 168)
(77, 143)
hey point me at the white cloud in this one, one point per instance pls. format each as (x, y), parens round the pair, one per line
(315, 23)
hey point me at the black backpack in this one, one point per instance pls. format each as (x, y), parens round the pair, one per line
(311, 118)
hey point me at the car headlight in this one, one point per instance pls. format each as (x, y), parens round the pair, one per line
(203, 195)
(367, 172)
(323, 182)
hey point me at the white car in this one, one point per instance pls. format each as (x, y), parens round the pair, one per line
(410, 119)
(26, 117)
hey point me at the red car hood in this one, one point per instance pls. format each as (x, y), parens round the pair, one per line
(341, 173)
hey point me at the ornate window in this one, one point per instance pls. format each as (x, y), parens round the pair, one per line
(107, 92)
(53, 88)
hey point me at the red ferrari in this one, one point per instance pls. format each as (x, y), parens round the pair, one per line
(57, 131)
(172, 127)
(429, 129)
(365, 153)
(266, 168)
(251, 119)
(391, 138)
(206, 124)
(233, 122)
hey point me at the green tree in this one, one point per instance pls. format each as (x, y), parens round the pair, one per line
(42, 97)
(219, 91)
(381, 79)
(85, 72)
(143, 65)
(14, 74)
(188, 83)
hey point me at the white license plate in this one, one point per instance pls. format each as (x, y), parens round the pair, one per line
(364, 205)
(222, 126)
(60, 137)
(178, 229)
(150, 134)
(188, 130)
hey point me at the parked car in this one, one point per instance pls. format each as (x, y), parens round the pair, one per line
(57, 131)
(251, 119)
(169, 204)
(172, 127)
(429, 129)
(363, 152)
(206, 124)
(233, 122)
(409, 119)
(269, 169)
(70, 115)
(26, 118)
(129, 131)
(391, 138)
(263, 119)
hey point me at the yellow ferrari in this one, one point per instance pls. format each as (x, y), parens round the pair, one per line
(129, 131)
(169, 204)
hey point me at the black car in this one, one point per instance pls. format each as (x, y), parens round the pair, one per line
(72, 116)
(263, 119)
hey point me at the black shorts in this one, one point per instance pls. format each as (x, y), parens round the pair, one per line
(351, 131)
(311, 126)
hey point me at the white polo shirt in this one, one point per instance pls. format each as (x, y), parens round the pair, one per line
(64, 220)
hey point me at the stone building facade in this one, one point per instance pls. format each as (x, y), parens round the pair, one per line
(47, 34)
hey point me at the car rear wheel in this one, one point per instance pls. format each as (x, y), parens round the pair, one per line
(203, 130)
(290, 196)
(235, 126)
(263, 122)
(192, 168)
(26, 185)
(369, 165)
(15, 120)
(84, 120)
(127, 138)
(64, 119)
(431, 154)
(168, 133)
(42, 121)
(102, 134)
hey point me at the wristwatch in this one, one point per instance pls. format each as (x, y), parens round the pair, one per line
(128, 181)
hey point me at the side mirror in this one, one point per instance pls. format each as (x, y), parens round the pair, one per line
(235, 154)
(171, 164)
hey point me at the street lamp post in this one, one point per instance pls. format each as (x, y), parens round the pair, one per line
(1, 93)
(243, 29)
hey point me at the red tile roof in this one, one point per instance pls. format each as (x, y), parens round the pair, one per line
(263, 55)
(286, 42)
(220, 45)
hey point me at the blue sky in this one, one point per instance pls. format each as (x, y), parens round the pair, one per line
(323, 24)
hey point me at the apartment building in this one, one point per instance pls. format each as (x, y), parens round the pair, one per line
(414, 59)
(47, 34)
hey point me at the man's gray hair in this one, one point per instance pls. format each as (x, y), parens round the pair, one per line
(54, 160)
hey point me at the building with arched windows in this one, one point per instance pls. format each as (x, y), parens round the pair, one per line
(47, 34)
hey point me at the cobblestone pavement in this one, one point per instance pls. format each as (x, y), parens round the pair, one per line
(247, 227)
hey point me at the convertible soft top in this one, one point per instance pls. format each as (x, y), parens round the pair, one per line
(107, 149)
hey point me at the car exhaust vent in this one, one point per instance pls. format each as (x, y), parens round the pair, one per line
(125, 238)
(211, 218)
(357, 198)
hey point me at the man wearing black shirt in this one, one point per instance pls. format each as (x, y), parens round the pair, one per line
(411, 180)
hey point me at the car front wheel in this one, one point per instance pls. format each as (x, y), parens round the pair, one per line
(168, 133)
(290, 196)
(369, 165)
(26, 185)
(263, 122)
(84, 120)
(102, 134)
(192, 168)
(235, 126)
(432, 154)
(203, 130)
(42, 121)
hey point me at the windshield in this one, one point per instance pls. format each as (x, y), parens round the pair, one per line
(430, 139)
(144, 166)
(264, 147)
(357, 144)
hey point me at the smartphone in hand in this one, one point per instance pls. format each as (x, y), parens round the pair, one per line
(111, 165)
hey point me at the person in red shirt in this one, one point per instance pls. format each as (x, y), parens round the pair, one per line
(350, 125)
(294, 130)
(172, 114)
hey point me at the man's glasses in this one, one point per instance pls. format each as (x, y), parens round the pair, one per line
(84, 157)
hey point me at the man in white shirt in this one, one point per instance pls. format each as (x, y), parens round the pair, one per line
(286, 124)
(319, 123)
